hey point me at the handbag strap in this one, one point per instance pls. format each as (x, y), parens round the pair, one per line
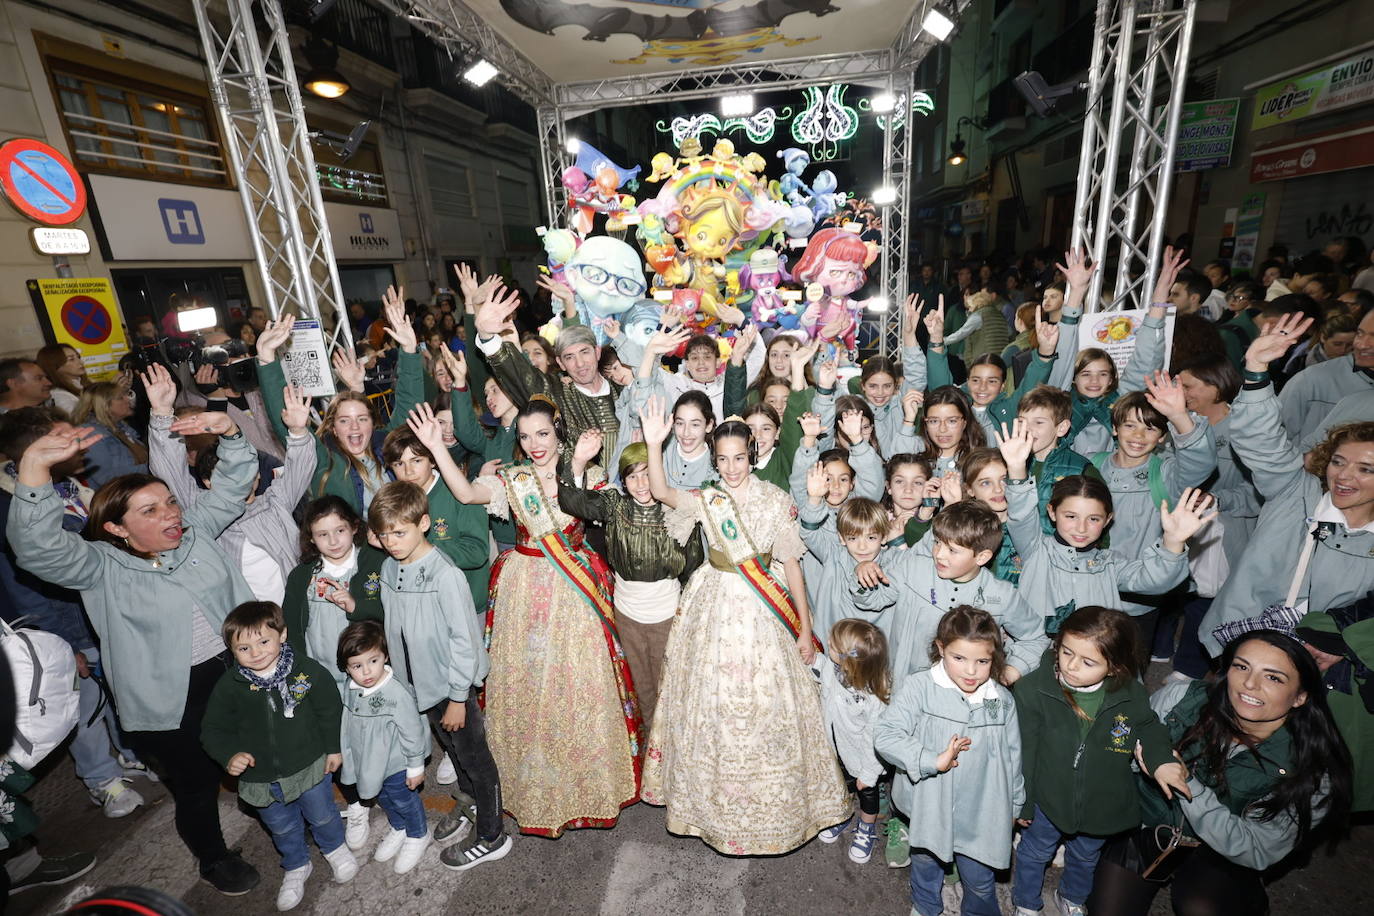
(1304, 559)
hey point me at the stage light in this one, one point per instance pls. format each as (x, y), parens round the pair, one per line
(884, 102)
(884, 195)
(323, 77)
(956, 151)
(877, 303)
(480, 73)
(938, 24)
(573, 146)
(737, 106)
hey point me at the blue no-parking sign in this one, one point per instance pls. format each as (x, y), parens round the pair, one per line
(41, 183)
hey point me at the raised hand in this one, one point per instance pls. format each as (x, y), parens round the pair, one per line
(425, 425)
(398, 326)
(911, 314)
(935, 323)
(911, 404)
(457, 366)
(1186, 518)
(817, 486)
(162, 390)
(870, 575)
(558, 290)
(588, 447)
(611, 327)
(1016, 446)
(655, 422)
(826, 375)
(1046, 334)
(1165, 395)
(467, 282)
(951, 488)
(296, 413)
(209, 422)
(1077, 269)
(273, 336)
(949, 757)
(805, 353)
(1276, 340)
(492, 317)
(666, 342)
(490, 468)
(206, 374)
(744, 342)
(811, 427)
(1173, 262)
(851, 424)
(728, 315)
(57, 446)
(348, 368)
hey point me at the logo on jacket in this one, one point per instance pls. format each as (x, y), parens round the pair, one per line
(373, 585)
(1120, 732)
(300, 686)
(441, 528)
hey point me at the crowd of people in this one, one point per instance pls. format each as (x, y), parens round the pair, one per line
(906, 603)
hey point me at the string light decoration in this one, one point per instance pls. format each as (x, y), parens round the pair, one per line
(824, 121)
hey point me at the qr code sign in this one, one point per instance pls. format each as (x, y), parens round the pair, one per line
(303, 368)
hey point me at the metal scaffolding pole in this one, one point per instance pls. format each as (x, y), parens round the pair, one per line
(1122, 109)
(253, 85)
(897, 176)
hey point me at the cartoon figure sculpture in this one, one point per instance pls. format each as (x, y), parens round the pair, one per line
(837, 260)
(607, 279)
(762, 274)
(593, 184)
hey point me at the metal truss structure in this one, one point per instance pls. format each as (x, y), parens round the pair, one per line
(1125, 168)
(253, 85)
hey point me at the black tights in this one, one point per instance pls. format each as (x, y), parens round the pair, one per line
(1201, 882)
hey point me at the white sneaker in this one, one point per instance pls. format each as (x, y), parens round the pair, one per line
(412, 848)
(445, 775)
(389, 846)
(1066, 908)
(342, 863)
(293, 887)
(356, 825)
(116, 798)
(132, 766)
(1026, 911)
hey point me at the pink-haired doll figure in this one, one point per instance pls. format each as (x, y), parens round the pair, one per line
(763, 274)
(836, 259)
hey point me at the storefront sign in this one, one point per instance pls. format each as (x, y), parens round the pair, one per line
(973, 209)
(1349, 81)
(82, 314)
(1206, 133)
(158, 221)
(365, 233)
(1333, 151)
(1247, 231)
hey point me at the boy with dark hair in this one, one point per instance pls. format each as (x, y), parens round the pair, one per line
(438, 640)
(273, 721)
(1047, 412)
(384, 742)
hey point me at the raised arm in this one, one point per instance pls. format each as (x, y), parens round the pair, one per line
(516, 375)
(574, 499)
(913, 359)
(299, 467)
(167, 453)
(1079, 274)
(426, 427)
(233, 476)
(1257, 437)
(41, 545)
(1023, 504)
(656, 425)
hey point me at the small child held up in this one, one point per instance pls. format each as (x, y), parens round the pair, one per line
(429, 617)
(952, 732)
(273, 721)
(1082, 713)
(856, 686)
(385, 741)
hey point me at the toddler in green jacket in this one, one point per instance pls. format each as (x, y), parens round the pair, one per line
(273, 721)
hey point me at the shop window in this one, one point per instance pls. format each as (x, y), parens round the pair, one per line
(119, 126)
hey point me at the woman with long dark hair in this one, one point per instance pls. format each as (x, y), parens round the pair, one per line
(1266, 767)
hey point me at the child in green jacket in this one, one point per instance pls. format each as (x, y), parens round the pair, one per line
(1082, 712)
(273, 721)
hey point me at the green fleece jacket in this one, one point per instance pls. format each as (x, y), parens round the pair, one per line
(1085, 784)
(241, 718)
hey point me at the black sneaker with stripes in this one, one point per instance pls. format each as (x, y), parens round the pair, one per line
(476, 851)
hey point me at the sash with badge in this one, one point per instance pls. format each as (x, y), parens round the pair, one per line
(722, 516)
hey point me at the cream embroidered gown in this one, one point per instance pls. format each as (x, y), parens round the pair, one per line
(738, 751)
(564, 742)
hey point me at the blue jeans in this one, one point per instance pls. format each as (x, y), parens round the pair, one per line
(404, 810)
(1191, 658)
(1033, 856)
(928, 879)
(286, 822)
